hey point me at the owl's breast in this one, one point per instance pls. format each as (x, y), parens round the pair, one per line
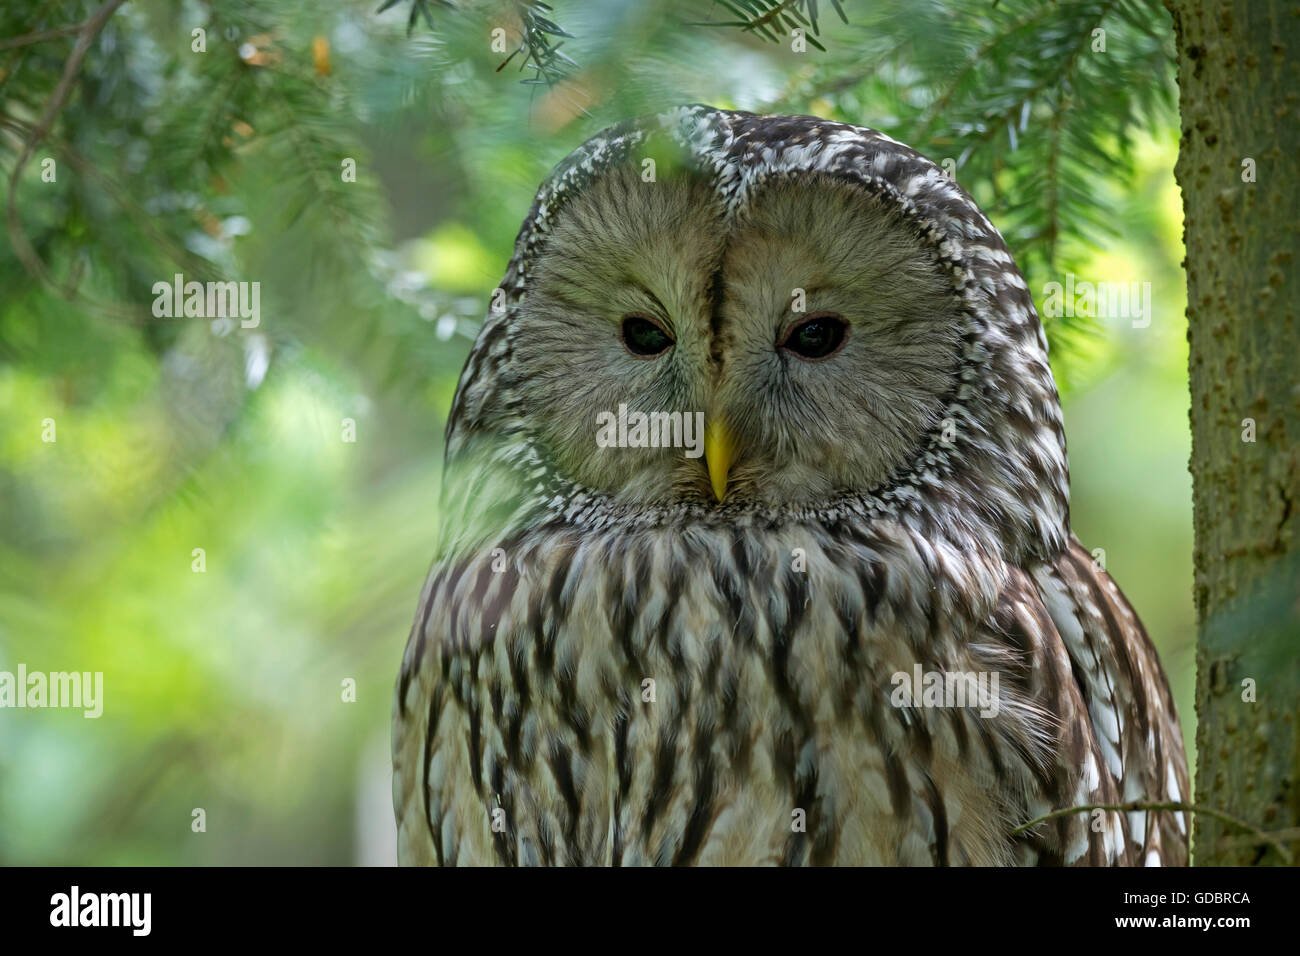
(702, 696)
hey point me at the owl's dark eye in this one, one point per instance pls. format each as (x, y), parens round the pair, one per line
(817, 336)
(643, 338)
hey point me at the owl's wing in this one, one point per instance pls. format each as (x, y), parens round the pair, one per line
(416, 700)
(1119, 738)
(447, 789)
(438, 823)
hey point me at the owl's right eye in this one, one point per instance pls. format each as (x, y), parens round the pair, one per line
(644, 338)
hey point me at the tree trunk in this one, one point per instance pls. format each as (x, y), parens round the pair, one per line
(1239, 83)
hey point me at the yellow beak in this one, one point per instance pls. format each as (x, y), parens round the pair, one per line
(717, 456)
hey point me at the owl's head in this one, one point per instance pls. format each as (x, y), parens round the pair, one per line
(712, 314)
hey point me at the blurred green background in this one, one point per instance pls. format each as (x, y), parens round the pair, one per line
(224, 689)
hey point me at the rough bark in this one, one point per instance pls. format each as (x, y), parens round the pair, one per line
(1239, 83)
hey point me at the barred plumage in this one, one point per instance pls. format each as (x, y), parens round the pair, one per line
(772, 623)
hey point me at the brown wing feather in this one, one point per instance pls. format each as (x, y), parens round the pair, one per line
(1131, 735)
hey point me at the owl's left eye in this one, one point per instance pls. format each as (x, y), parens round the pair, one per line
(642, 337)
(816, 337)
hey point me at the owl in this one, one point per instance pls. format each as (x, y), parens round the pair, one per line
(755, 542)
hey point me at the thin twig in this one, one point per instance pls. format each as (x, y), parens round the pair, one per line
(1137, 806)
(40, 36)
(772, 14)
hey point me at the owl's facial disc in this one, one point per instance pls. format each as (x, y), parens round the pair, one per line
(798, 351)
(837, 335)
(613, 346)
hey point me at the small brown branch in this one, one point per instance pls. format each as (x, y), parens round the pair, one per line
(40, 36)
(771, 15)
(1258, 836)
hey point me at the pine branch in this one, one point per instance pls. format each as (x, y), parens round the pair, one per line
(147, 223)
(979, 57)
(87, 31)
(536, 42)
(760, 17)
